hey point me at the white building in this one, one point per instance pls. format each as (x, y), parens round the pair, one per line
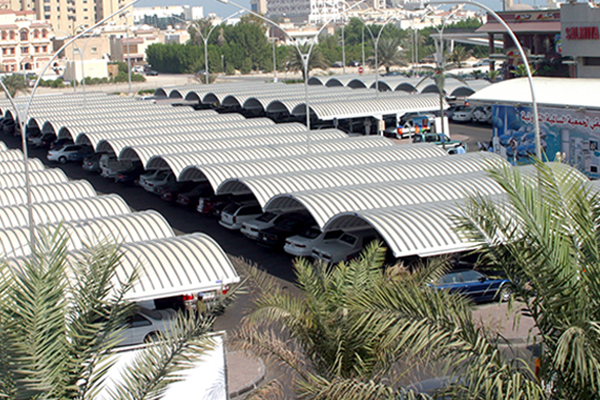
(580, 38)
(186, 12)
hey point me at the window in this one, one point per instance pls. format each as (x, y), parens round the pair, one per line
(45, 48)
(11, 35)
(85, 10)
(94, 50)
(4, 51)
(591, 61)
(36, 33)
(46, 8)
(44, 32)
(25, 50)
(57, 8)
(24, 36)
(12, 50)
(4, 34)
(36, 49)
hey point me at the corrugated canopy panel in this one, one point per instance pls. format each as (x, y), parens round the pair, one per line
(34, 164)
(178, 162)
(218, 173)
(63, 210)
(360, 108)
(118, 145)
(9, 155)
(144, 153)
(42, 177)
(96, 137)
(126, 228)
(175, 266)
(3, 146)
(267, 186)
(44, 193)
(324, 204)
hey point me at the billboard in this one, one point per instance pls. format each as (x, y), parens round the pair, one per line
(576, 133)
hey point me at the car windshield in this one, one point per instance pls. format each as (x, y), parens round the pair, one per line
(311, 233)
(231, 208)
(349, 239)
(154, 314)
(332, 234)
(470, 276)
(448, 279)
(266, 217)
(162, 175)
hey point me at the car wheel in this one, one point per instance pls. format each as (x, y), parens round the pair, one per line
(152, 337)
(506, 293)
(62, 160)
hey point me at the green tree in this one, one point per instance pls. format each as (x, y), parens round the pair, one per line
(14, 84)
(545, 238)
(458, 55)
(493, 75)
(521, 70)
(61, 318)
(315, 60)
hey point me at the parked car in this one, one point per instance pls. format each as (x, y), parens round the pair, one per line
(78, 156)
(266, 220)
(129, 174)
(61, 155)
(285, 226)
(482, 115)
(151, 72)
(236, 213)
(214, 204)
(110, 166)
(464, 115)
(91, 163)
(8, 126)
(47, 140)
(354, 64)
(57, 144)
(453, 110)
(482, 63)
(302, 245)
(438, 139)
(475, 285)
(348, 244)
(149, 174)
(191, 197)
(337, 64)
(169, 192)
(145, 325)
(161, 178)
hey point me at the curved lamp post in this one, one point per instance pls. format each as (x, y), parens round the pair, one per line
(304, 57)
(23, 113)
(536, 122)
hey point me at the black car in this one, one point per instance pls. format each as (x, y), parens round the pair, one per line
(192, 197)
(354, 64)
(8, 126)
(129, 175)
(169, 192)
(47, 140)
(57, 144)
(286, 226)
(151, 72)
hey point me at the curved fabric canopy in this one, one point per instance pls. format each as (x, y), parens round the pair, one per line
(34, 164)
(2, 146)
(126, 228)
(63, 210)
(45, 193)
(9, 155)
(146, 152)
(117, 145)
(218, 173)
(41, 177)
(178, 162)
(268, 186)
(324, 204)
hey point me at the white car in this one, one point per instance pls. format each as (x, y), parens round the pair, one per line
(162, 178)
(303, 244)
(233, 215)
(62, 155)
(464, 115)
(149, 174)
(145, 325)
(483, 115)
(266, 220)
(348, 244)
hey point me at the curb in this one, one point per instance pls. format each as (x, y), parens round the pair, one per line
(253, 384)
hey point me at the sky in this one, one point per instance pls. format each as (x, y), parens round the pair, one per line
(223, 10)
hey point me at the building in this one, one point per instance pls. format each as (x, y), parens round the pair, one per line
(580, 41)
(25, 42)
(258, 6)
(132, 45)
(162, 17)
(70, 16)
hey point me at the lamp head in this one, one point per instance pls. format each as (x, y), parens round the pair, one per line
(224, 1)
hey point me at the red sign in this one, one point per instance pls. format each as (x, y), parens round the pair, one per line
(360, 70)
(582, 33)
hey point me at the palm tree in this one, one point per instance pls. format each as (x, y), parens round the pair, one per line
(358, 331)
(316, 60)
(545, 238)
(389, 54)
(15, 83)
(492, 75)
(459, 54)
(521, 70)
(58, 332)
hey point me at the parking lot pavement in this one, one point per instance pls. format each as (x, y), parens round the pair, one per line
(508, 321)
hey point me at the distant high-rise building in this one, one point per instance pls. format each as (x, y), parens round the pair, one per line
(161, 17)
(258, 6)
(71, 16)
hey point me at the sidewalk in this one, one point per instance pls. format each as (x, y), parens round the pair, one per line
(244, 373)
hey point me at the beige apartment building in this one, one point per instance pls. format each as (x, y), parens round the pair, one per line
(70, 16)
(25, 44)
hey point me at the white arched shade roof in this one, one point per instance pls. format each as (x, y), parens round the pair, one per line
(42, 177)
(126, 228)
(44, 193)
(96, 137)
(218, 173)
(269, 186)
(3, 146)
(418, 229)
(34, 164)
(174, 266)
(9, 155)
(178, 162)
(63, 210)
(145, 153)
(376, 108)
(117, 145)
(324, 204)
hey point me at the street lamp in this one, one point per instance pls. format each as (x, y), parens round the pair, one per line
(274, 62)
(305, 57)
(22, 113)
(536, 122)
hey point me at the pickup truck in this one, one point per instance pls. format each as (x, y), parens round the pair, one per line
(439, 139)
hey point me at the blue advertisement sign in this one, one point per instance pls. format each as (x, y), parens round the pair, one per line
(575, 133)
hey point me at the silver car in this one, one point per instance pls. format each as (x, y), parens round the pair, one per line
(303, 244)
(347, 245)
(235, 214)
(146, 325)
